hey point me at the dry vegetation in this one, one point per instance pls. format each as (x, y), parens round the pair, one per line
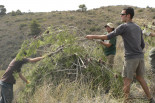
(15, 29)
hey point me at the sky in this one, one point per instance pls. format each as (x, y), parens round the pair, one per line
(65, 5)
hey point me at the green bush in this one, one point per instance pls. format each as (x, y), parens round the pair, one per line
(13, 13)
(95, 28)
(18, 12)
(68, 60)
(22, 25)
(35, 28)
(2, 10)
(141, 10)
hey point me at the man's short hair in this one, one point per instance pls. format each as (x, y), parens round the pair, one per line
(129, 10)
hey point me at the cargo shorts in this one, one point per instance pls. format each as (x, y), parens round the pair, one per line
(133, 67)
(110, 61)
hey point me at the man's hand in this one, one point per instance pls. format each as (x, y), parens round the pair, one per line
(89, 37)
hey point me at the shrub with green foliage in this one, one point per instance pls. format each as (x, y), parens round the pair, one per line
(83, 7)
(35, 28)
(22, 25)
(70, 58)
(95, 28)
(2, 10)
(140, 10)
(13, 13)
(18, 12)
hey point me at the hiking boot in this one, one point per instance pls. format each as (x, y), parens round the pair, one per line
(152, 100)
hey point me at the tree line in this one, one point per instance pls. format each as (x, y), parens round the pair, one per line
(3, 10)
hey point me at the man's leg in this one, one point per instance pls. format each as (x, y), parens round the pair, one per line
(126, 88)
(6, 93)
(1, 99)
(144, 86)
(128, 73)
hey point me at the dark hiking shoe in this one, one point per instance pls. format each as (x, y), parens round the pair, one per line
(152, 100)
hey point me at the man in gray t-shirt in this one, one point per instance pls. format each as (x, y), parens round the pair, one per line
(8, 79)
(134, 56)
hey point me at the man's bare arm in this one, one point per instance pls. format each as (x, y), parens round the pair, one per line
(35, 59)
(102, 37)
(22, 77)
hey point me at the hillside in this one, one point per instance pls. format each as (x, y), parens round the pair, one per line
(73, 70)
(15, 29)
(92, 21)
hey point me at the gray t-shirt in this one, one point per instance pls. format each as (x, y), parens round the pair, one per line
(132, 38)
(14, 67)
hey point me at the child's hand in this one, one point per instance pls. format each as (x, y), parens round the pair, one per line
(147, 33)
(27, 82)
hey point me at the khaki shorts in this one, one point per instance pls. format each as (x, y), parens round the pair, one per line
(110, 61)
(133, 67)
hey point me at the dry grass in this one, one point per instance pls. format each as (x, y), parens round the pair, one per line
(1, 72)
(69, 93)
(78, 93)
